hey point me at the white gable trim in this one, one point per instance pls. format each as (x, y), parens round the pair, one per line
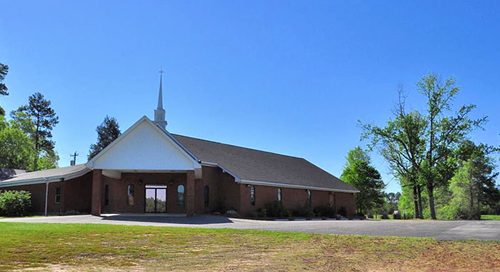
(164, 135)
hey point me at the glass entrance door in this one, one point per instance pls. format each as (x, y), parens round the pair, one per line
(155, 199)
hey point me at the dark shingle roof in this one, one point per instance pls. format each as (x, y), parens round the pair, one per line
(42, 176)
(261, 166)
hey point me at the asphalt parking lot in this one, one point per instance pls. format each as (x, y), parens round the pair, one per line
(441, 230)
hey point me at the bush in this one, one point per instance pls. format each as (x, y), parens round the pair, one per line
(397, 215)
(342, 211)
(325, 211)
(261, 213)
(275, 209)
(303, 211)
(385, 215)
(15, 203)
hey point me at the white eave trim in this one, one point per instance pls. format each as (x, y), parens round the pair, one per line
(41, 180)
(292, 186)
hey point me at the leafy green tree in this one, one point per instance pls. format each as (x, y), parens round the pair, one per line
(444, 132)
(44, 119)
(418, 146)
(359, 173)
(464, 203)
(402, 144)
(107, 132)
(17, 147)
(392, 201)
(4, 69)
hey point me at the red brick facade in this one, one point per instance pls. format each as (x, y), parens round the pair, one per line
(95, 193)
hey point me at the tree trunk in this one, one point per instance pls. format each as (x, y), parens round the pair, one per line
(430, 191)
(420, 206)
(415, 202)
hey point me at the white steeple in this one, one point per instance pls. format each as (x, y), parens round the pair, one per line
(160, 112)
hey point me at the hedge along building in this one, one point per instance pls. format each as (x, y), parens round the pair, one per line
(149, 170)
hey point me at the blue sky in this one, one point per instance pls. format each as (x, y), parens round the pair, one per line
(292, 77)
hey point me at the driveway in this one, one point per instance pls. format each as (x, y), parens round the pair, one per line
(441, 230)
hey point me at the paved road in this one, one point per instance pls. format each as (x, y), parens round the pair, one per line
(442, 230)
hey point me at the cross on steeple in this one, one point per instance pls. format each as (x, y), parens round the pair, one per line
(160, 112)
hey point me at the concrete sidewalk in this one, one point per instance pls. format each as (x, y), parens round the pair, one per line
(442, 230)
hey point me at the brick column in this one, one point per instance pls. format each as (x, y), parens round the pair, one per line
(96, 192)
(190, 193)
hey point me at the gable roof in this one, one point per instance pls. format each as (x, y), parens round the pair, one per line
(250, 166)
(48, 175)
(144, 146)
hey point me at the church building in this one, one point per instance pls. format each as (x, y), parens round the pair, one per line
(147, 169)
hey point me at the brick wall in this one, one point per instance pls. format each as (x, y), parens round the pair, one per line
(75, 195)
(118, 191)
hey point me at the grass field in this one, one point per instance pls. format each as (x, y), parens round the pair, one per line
(77, 247)
(490, 217)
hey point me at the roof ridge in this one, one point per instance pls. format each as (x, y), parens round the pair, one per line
(237, 146)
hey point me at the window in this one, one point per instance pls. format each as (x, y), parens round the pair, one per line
(58, 195)
(252, 195)
(180, 196)
(331, 199)
(280, 195)
(106, 195)
(206, 195)
(130, 194)
(309, 198)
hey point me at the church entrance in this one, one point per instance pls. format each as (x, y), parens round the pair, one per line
(155, 199)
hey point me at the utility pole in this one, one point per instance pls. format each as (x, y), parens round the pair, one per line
(73, 161)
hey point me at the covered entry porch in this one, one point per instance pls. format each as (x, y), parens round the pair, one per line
(144, 170)
(140, 192)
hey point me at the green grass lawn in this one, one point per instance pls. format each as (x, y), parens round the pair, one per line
(490, 217)
(78, 247)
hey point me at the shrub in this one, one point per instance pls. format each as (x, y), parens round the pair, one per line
(261, 213)
(342, 211)
(325, 211)
(397, 215)
(276, 209)
(303, 211)
(385, 215)
(15, 203)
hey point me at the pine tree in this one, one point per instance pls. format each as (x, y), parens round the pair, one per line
(107, 132)
(4, 69)
(44, 119)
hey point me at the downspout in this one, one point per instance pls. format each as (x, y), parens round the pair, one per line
(46, 195)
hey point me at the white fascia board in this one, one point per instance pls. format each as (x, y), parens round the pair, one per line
(7, 183)
(291, 186)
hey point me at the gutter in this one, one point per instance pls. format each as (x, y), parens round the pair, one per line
(41, 180)
(292, 186)
(274, 184)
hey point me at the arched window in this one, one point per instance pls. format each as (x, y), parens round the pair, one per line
(206, 194)
(331, 199)
(252, 195)
(280, 195)
(309, 198)
(130, 194)
(180, 196)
